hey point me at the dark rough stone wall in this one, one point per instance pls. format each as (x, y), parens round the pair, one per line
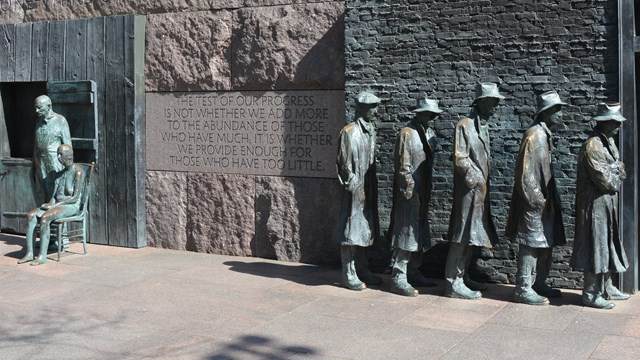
(412, 48)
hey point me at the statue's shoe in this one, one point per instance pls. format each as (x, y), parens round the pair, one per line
(420, 281)
(403, 289)
(475, 285)
(529, 298)
(599, 303)
(357, 286)
(462, 292)
(547, 291)
(370, 279)
(612, 293)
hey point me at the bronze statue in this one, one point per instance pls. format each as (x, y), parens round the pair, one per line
(64, 202)
(471, 223)
(597, 247)
(410, 234)
(535, 214)
(358, 223)
(52, 130)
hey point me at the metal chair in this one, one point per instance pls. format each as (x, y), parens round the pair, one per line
(78, 232)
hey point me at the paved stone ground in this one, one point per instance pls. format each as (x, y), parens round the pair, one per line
(150, 303)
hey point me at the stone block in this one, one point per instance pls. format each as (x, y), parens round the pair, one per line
(288, 47)
(166, 196)
(221, 215)
(188, 51)
(296, 219)
(74, 9)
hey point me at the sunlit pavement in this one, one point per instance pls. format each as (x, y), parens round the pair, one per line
(117, 303)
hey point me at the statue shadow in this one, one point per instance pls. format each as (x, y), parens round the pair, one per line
(9, 241)
(311, 275)
(504, 292)
(260, 347)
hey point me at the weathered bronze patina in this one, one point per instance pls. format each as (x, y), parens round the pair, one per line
(358, 224)
(410, 234)
(64, 202)
(52, 130)
(471, 223)
(535, 214)
(597, 247)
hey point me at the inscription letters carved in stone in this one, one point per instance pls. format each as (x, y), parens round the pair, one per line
(272, 133)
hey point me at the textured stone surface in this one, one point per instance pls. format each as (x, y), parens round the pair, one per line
(73, 9)
(288, 47)
(296, 218)
(166, 209)
(221, 216)
(409, 49)
(188, 51)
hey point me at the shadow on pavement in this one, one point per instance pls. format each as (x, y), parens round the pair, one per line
(311, 275)
(259, 347)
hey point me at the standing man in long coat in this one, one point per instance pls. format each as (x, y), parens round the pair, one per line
(535, 214)
(410, 234)
(358, 224)
(597, 248)
(52, 131)
(471, 223)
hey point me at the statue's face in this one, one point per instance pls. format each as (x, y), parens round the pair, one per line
(609, 128)
(369, 113)
(42, 109)
(426, 118)
(553, 115)
(487, 106)
(65, 158)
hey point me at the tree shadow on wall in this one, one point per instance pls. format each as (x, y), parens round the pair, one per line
(322, 67)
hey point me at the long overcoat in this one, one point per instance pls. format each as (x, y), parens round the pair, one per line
(358, 223)
(471, 222)
(535, 214)
(597, 247)
(49, 135)
(413, 165)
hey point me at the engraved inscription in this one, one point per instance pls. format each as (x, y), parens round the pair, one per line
(292, 134)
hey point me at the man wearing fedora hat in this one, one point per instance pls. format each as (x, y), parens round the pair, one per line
(535, 215)
(471, 224)
(413, 168)
(358, 224)
(597, 247)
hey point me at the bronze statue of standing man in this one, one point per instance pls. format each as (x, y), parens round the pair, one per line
(597, 247)
(52, 131)
(535, 214)
(410, 234)
(358, 224)
(471, 223)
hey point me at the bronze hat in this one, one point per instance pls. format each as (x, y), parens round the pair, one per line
(426, 104)
(367, 98)
(610, 111)
(548, 100)
(487, 89)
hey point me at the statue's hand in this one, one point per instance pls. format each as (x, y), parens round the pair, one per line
(621, 170)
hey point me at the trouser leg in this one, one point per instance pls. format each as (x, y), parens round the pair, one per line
(399, 283)
(593, 290)
(400, 264)
(545, 260)
(525, 275)
(362, 267)
(457, 260)
(527, 261)
(612, 292)
(350, 278)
